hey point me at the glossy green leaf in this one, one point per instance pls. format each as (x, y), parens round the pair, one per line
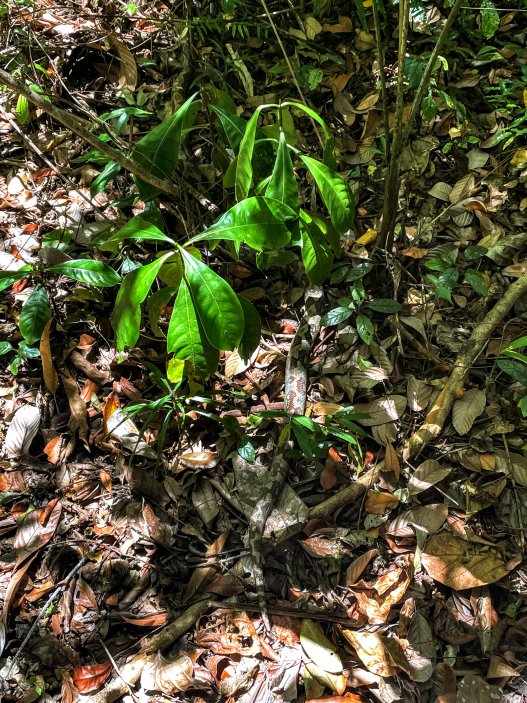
(336, 316)
(258, 222)
(22, 109)
(335, 192)
(155, 303)
(5, 348)
(158, 151)
(136, 228)
(171, 272)
(252, 330)
(90, 271)
(516, 369)
(317, 254)
(107, 174)
(185, 338)
(233, 125)
(282, 185)
(244, 169)
(216, 304)
(126, 315)
(477, 281)
(364, 328)
(309, 111)
(34, 315)
(7, 278)
(515, 344)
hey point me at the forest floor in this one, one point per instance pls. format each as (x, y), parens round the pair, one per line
(394, 562)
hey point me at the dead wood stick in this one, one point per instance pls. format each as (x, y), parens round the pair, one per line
(347, 495)
(470, 351)
(132, 670)
(69, 121)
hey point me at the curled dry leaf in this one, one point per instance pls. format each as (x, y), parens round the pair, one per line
(89, 678)
(51, 379)
(383, 656)
(36, 529)
(357, 566)
(459, 564)
(22, 431)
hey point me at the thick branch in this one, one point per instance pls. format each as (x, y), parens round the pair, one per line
(436, 418)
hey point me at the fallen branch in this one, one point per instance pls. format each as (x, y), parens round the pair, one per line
(470, 351)
(131, 672)
(66, 119)
(347, 495)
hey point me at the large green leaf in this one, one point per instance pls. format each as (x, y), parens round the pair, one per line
(257, 222)
(7, 278)
(34, 315)
(252, 330)
(335, 192)
(317, 254)
(185, 338)
(136, 228)
(244, 169)
(158, 151)
(87, 271)
(126, 315)
(282, 185)
(216, 304)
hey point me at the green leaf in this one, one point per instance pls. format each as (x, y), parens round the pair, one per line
(474, 252)
(476, 280)
(233, 125)
(87, 271)
(22, 109)
(257, 222)
(136, 228)
(107, 174)
(5, 348)
(385, 305)
(517, 370)
(252, 330)
(317, 254)
(155, 303)
(7, 278)
(245, 449)
(359, 271)
(490, 19)
(283, 186)
(158, 151)
(309, 111)
(364, 328)
(126, 315)
(336, 316)
(515, 344)
(34, 315)
(185, 338)
(244, 169)
(335, 192)
(217, 306)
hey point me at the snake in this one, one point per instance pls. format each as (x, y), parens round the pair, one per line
(295, 394)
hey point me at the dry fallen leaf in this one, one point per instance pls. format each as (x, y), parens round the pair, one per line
(459, 564)
(22, 431)
(467, 408)
(90, 678)
(49, 373)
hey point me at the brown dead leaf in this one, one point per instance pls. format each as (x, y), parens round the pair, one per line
(90, 678)
(51, 379)
(459, 564)
(379, 503)
(78, 422)
(152, 620)
(379, 654)
(128, 67)
(391, 461)
(204, 575)
(357, 566)
(344, 25)
(36, 529)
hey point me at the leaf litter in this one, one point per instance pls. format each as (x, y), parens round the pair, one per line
(414, 590)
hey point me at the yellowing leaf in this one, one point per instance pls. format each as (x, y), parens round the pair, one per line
(380, 503)
(459, 564)
(318, 648)
(368, 237)
(519, 157)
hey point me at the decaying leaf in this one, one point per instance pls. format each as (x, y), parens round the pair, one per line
(426, 475)
(459, 564)
(49, 373)
(383, 656)
(382, 410)
(89, 678)
(168, 676)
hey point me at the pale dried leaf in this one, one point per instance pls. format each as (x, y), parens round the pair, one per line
(318, 648)
(357, 566)
(426, 475)
(429, 518)
(415, 324)
(382, 410)
(370, 650)
(462, 188)
(421, 651)
(467, 409)
(22, 431)
(418, 393)
(385, 434)
(380, 355)
(125, 431)
(168, 676)
(128, 68)
(204, 501)
(459, 564)
(441, 191)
